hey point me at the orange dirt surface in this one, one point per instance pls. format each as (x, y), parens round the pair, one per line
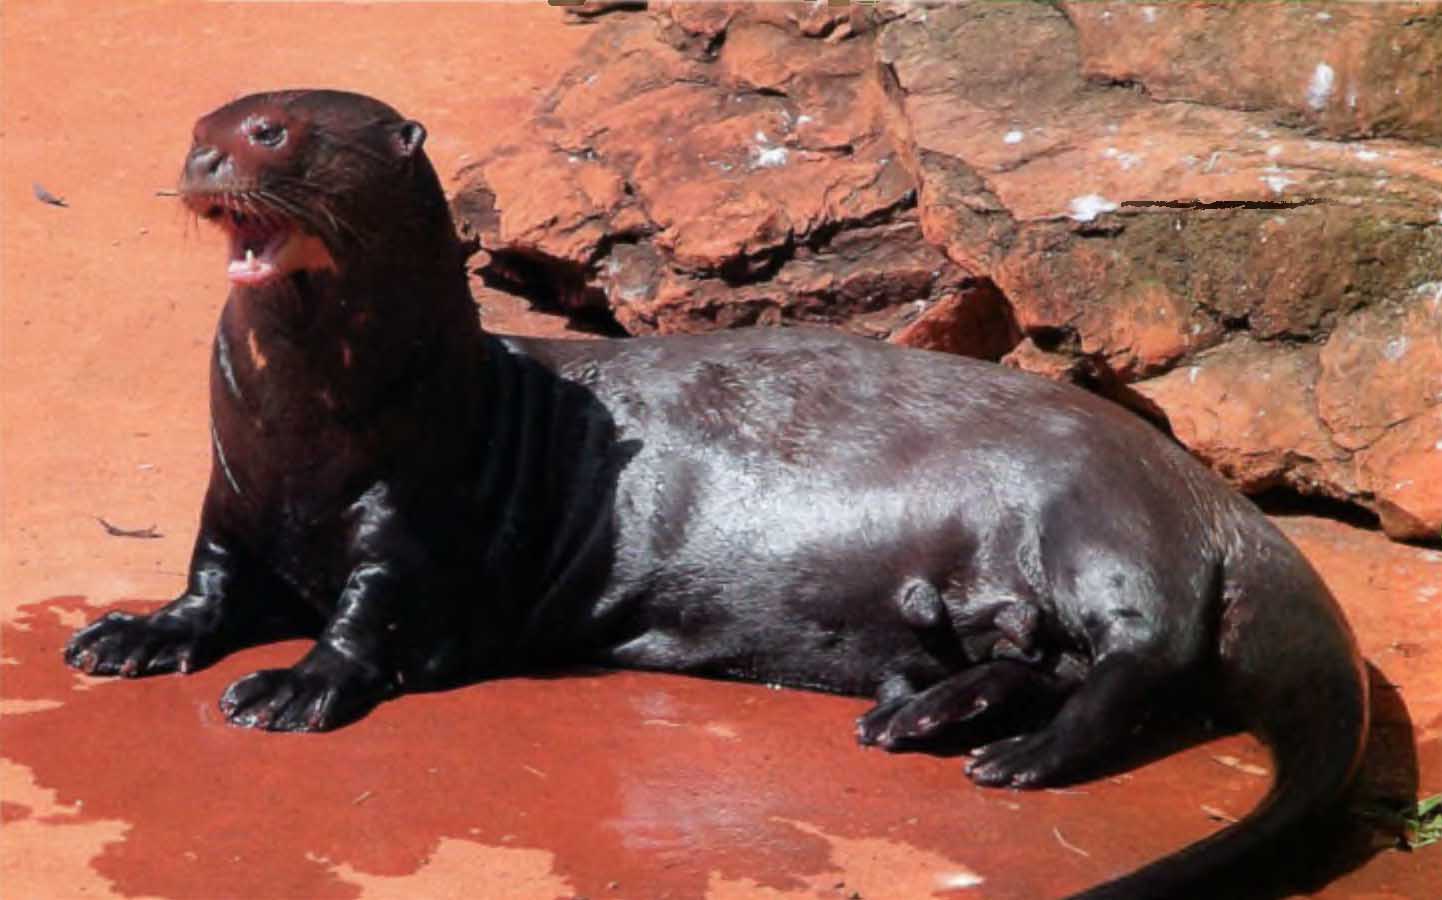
(598, 785)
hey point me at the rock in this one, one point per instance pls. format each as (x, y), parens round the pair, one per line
(1344, 69)
(686, 183)
(1238, 408)
(1203, 253)
(1202, 241)
(1380, 394)
(973, 321)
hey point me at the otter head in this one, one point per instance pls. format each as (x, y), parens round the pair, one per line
(306, 181)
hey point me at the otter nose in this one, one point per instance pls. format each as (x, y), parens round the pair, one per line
(203, 162)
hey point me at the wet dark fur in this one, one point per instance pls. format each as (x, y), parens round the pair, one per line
(981, 550)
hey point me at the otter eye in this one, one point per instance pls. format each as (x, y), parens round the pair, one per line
(271, 134)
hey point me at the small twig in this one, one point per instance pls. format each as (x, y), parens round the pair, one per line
(114, 531)
(167, 192)
(45, 196)
(362, 797)
(534, 771)
(1066, 843)
(1221, 816)
(1233, 762)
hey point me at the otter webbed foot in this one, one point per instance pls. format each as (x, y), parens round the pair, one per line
(1099, 715)
(325, 690)
(1028, 760)
(964, 710)
(128, 645)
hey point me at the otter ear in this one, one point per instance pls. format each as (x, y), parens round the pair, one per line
(407, 137)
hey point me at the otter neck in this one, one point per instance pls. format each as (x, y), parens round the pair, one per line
(338, 344)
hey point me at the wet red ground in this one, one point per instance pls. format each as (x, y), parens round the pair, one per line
(601, 785)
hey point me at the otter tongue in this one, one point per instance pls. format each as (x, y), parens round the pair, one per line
(253, 257)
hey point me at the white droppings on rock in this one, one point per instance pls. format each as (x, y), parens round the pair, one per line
(769, 157)
(1127, 161)
(1192, 374)
(1319, 89)
(1012, 137)
(1087, 207)
(1150, 14)
(1276, 180)
(1366, 155)
(803, 119)
(1324, 17)
(1274, 151)
(1430, 291)
(1395, 349)
(958, 880)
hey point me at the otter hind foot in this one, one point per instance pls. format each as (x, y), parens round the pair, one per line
(964, 710)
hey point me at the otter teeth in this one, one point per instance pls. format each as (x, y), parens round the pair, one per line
(253, 269)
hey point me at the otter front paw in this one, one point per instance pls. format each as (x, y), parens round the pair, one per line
(119, 643)
(323, 691)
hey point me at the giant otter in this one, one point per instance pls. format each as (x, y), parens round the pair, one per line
(1001, 561)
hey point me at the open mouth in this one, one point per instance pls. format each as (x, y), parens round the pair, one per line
(257, 247)
(264, 246)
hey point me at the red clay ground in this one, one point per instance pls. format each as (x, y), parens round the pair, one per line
(620, 785)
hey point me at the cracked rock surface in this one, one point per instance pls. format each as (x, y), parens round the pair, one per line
(1239, 237)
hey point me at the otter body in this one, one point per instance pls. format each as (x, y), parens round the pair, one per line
(1001, 561)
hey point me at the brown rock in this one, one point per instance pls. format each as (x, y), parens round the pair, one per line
(1029, 357)
(1383, 366)
(689, 183)
(567, 211)
(1244, 408)
(974, 321)
(1346, 69)
(1380, 393)
(869, 280)
(1401, 473)
(1148, 238)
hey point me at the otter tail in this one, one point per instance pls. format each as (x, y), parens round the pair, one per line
(1290, 667)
